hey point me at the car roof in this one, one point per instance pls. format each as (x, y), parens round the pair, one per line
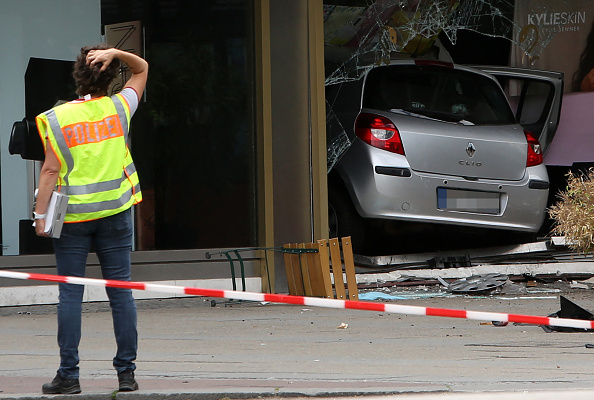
(433, 63)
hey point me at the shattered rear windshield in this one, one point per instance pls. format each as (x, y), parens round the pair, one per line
(441, 93)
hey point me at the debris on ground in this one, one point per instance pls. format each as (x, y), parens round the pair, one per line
(571, 310)
(528, 265)
(578, 285)
(486, 283)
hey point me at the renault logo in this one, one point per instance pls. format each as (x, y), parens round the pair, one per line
(470, 149)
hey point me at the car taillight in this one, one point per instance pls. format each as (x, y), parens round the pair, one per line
(534, 150)
(380, 132)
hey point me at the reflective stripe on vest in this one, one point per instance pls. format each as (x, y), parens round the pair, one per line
(85, 133)
(85, 208)
(100, 186)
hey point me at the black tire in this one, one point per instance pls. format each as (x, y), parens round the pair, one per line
(344, 220)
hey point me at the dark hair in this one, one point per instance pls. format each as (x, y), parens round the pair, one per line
(586, 62)
(88, 79)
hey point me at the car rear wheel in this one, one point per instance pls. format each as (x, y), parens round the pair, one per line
(343, 219)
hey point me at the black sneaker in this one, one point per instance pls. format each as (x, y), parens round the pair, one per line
(127, 381)
(61, 386)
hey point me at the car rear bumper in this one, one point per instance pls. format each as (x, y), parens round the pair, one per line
(382, 185)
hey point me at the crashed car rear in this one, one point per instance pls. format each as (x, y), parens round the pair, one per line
(432, 142)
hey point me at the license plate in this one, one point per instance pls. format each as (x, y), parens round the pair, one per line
(468, 201)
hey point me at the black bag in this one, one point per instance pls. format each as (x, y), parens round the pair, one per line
(25, 140)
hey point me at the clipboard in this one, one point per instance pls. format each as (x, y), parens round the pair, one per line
(56, 211)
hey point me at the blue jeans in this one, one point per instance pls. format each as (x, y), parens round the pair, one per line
(112, 240)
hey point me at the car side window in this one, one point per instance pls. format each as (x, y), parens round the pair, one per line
(536, 96)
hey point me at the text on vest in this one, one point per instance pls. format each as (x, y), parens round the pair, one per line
(89, 132)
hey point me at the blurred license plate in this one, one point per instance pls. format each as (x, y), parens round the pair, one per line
(468, 200)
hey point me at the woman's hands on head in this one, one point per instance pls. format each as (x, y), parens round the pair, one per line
(101, 56)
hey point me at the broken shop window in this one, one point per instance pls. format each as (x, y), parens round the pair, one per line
(360, 34)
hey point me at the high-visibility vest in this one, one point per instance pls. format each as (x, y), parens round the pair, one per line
(96, 169)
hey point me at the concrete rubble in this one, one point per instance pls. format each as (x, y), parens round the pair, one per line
(549, 257)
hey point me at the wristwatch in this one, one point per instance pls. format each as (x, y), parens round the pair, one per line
(38, 216)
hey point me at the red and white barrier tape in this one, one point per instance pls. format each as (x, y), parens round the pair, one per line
(310, 301)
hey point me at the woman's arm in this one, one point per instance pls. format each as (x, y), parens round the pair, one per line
(47, 182)
(137, 65)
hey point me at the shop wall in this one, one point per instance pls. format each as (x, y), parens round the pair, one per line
(296, 89)
(51, 29)
(290, 124)
(552, 35)
(559, 36)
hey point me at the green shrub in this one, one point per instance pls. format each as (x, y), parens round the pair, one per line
(573, 214)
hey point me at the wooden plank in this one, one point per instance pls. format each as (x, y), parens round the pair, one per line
(324, 260)
(349, 267)
(315, 271)
(337, 269)
(290, 270)
(305, 271)
(297, 274)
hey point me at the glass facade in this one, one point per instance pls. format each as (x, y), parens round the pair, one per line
(193, 139)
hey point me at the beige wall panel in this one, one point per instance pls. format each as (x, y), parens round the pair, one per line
(295, 123)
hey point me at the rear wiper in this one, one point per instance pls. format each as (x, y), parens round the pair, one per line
(432, 115)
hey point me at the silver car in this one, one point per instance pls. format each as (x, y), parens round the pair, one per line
(436, 142)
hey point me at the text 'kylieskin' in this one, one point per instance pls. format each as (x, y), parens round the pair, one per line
(92, 131)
